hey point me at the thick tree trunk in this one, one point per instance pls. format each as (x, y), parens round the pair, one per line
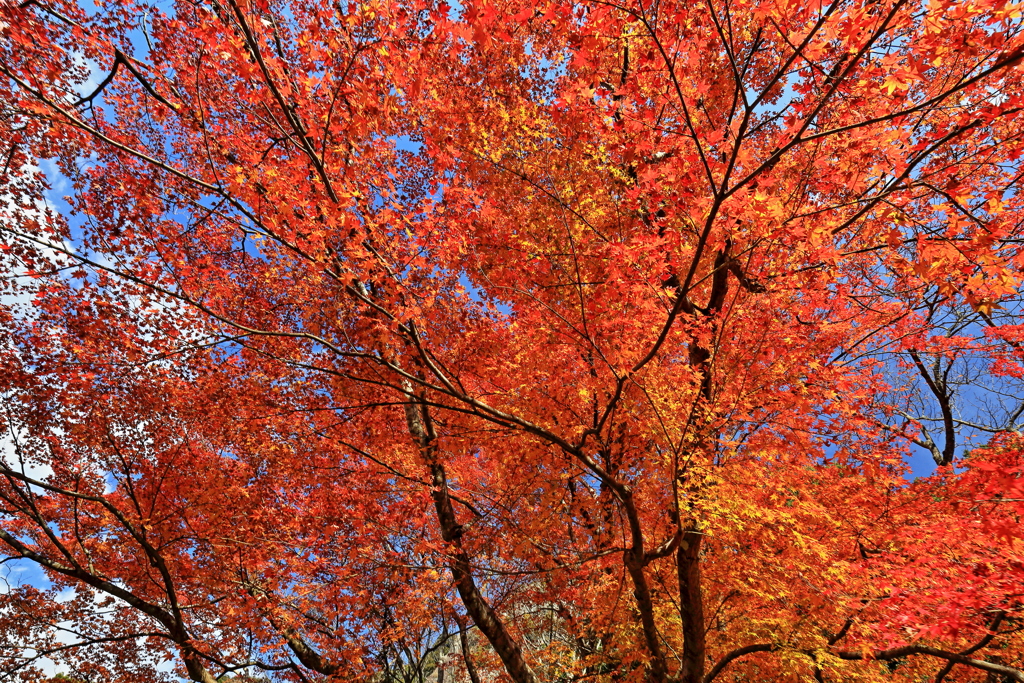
(477, 607)
(479, 610)
(691, 608)
(691, 605)
(467, 657)
(196, 670)
(645, 604)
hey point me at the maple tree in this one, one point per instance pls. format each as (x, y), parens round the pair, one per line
(540, 341)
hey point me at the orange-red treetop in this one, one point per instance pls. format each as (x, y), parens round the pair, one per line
(504, 341)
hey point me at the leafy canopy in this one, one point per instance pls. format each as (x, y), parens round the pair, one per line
(542, 341)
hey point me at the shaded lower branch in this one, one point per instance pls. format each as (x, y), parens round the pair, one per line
(956, 658)
(996, 621)
(1009, 673)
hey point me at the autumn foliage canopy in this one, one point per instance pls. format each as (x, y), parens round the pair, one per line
(547, 341)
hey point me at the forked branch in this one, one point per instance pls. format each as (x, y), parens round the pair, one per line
(121, 59)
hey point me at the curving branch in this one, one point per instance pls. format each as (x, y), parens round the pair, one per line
(1009, 673)
(996, 620)
(49, 10)
(736, 654)
(896, 653)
